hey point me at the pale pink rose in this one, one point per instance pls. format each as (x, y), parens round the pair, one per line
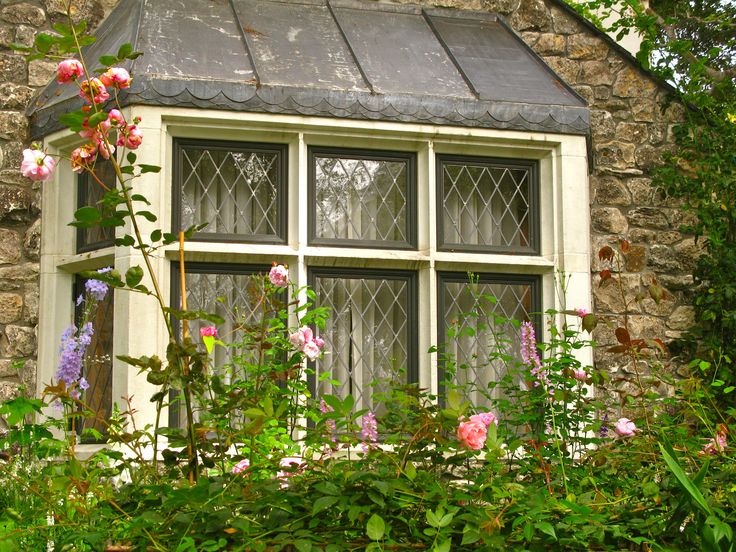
(311, 350)
(579, 374)
(36, 165)
(241, 466)
(279, 276)
(208, 331)
(115, 117)
(582, 313)
(319, 342)
(130, 137)
(625, 427)
(472, 434)
(93, 91)
(292, 465)
(715, 445)
(486, 418)
(297, 339)
(68, 70)
(83, 157)
(116, 77)
(105, 149)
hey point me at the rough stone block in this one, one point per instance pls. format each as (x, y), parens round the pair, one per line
(636, 258)
(630, 83)
(9, 246)
(648, 217)
(30, 314)
(531, 15)
(584, 46)
(662, 258)
(608, 220)
(18, 341)
(23, 13)
(11, 307)
(609, 190)
(13, 125)
(15, 277)
(12, 68)
(567, 69)
(15, 203)
(32, 241)
(41, 72)
(608, 296)
(595, 73)
(687, 253)
(14, 96)
(618, 155)
(682, 318)
(550, 44)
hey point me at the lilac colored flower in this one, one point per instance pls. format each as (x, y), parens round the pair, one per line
(329, 424)
(603, 431)
(529, 354)
(96, 289)
(83, 384)
(71, 353)
(369, 430)
(80, 300)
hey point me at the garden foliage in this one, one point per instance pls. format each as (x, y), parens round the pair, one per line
(260, 464)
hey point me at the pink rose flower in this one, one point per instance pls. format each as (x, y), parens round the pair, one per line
(241, 466)
(36, 165)
(83, 157)
(105, 149)
(716, 445)
(292, 465)
(472, 434)
(625, 427)
(319, 342)
(582, 313)
(116, 77)
(130, 137)
(579, 374)
(300, 337)
(94, 91)
(486, 418)
(115, 117)
(279, 276)
(208, 331)
(311, 350)
(68, 70)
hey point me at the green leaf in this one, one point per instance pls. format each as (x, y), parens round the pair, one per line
(324, 502)
(87, 215)
(149, 168)
(96, 119)
(107, 61)
(444, 546)
(133, 276)
(125, 50)
(149, 216)
(125, 241)
(62, 29)
(156, 235)
(17, 409)
(43, 42)
(546, 528)
(73, 120)
(684, 480)
(375, 528)
(131, 157)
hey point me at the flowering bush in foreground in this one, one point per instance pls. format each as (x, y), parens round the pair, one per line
(260, 464)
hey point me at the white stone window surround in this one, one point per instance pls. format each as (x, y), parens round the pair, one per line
(564, 223)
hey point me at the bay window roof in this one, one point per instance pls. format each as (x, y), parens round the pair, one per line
(330, 58)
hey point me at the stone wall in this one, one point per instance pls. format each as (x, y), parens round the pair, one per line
(20, 223)
(630, 132)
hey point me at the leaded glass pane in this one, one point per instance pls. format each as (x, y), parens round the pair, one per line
(90, 193)
(362, 198)
(478, 336)
(368, 335)
(237, 191)
(236, 297)
(487, 205)
(97, 368)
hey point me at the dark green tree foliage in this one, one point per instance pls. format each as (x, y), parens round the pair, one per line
(692, 44)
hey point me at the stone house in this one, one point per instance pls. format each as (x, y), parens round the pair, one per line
(505, 137)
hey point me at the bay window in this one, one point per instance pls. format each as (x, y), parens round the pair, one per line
(384, 221)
